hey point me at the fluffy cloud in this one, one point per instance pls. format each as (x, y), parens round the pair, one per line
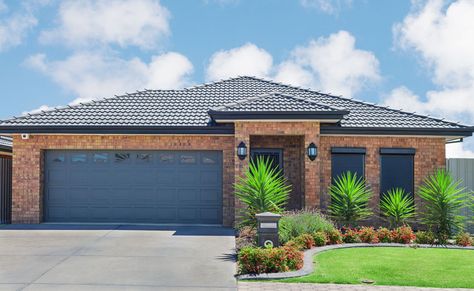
(15, 26)
(245, 60)
(439, 34)
(329, 64)
(91, 75)
(83, 23)
(37, 110)
(326, 6)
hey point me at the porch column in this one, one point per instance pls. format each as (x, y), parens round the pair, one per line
(241, 135)
(311, 169)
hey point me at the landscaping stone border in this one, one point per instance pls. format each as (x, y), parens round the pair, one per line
(308, 266)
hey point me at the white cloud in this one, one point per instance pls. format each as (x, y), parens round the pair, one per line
(460, 150)
(336, 64)
(331, 64)
(439, 33)
(404, 99)
(91, 75)
(37, 110)
(85, 23)
(245, 60)
(15, 26)
(326, 6)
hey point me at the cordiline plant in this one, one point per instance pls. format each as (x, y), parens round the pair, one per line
(262, 189)
(398, 206)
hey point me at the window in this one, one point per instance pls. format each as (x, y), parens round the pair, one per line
(397, 169)
(100, 158)
(347, 159)
(274, 155)
(167, 158)
(144, 158)
(187, 159)
(59, 159)
(209, 158)
(78, 158)
(122, 157)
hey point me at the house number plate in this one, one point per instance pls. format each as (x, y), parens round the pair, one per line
(268, 225)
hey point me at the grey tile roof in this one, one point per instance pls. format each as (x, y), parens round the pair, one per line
(190, 106)
(275, 102)
(5, 142)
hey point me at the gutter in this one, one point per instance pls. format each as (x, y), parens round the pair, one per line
(465, 132)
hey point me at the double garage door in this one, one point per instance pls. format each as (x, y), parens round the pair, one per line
(133, 186)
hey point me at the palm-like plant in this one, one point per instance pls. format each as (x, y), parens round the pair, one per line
(349, 199)
(443, 200)
(262, 189)
(398, 206)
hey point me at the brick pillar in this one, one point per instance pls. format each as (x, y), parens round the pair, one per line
(311, 169)
(241, 135)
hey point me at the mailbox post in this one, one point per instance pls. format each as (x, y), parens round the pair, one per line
(267, 229)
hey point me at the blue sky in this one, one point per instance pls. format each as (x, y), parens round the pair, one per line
(416, 55)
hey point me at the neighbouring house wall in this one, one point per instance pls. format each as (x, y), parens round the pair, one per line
(292, 157)
(429, 156)
(28, 164)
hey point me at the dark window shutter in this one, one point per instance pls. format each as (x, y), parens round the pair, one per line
(397, 171)
(347, 159)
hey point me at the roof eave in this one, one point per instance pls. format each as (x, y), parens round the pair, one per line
(458, 132)
(227, 116)
(86, 129)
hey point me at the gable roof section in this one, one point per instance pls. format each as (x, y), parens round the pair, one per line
(186, 110)
(276, 106)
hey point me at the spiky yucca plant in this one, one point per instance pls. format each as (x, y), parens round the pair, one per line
(443, 200)
(398, 206)
(349, 199)
(262, 189)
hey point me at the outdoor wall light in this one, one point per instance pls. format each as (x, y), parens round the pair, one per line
(242, 150)
(312, 151)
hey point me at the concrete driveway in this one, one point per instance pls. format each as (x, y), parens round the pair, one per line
(116, 257)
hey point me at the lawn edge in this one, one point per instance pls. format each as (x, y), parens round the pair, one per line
(308, 266)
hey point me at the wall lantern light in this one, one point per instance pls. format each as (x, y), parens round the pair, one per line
(312, 151)
(242, 150)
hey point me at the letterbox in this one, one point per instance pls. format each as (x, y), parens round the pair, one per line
(267, 229)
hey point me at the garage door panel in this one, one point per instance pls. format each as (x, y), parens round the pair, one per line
(133, 186)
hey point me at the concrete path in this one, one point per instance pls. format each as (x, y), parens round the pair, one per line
(116, 257)
(257, 286)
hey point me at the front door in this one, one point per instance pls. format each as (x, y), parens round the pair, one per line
(275, 156)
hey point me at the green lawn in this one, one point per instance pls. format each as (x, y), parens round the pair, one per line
(394, 266)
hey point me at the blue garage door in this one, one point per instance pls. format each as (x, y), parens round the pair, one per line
(133, 186)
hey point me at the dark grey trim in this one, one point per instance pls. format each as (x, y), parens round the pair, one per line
(297, 115)
(343, 150)
(397, 151)
(5, 149)
(467, 131)
(120, 129)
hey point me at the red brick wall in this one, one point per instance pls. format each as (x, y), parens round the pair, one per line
(430, 155)
(28, 160)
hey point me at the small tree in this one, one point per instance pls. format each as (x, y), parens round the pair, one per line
(262, 189)
(349, 199)
(397, 206)
(444, 199)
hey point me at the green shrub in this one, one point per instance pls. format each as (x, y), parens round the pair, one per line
(384, 235)
(464, 239)
(397, 206)
(294, 224)
(334, 236)
(263, 189)
(320, 238)
(306, 240)
(298, 245)
(351, 236)
(443, 200)
(269, 260)
(403, 235)
(349, 199)
(425, 237)
(368, 235)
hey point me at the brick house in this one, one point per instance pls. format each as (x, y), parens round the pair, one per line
(170, 156)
